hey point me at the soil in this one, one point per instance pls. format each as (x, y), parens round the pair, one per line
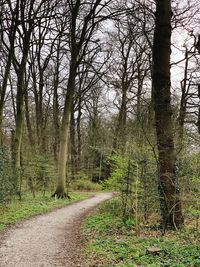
(51, 239)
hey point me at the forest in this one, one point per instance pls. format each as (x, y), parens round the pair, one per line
(104, 95)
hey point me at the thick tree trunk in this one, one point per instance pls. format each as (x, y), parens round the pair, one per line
(79, 38)
(64, 133)
(170, 203)
(20, 71)
(65, 123)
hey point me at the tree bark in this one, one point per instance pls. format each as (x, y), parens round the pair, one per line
(183, 103)
(73, 144)
(170, 204)
(80, 34)
(79, 137)
(3, 88)
(3, 92)
(56, 105)
(19, 123)
(28, 119)
(198, 120)
(120, 132)
(64, 132)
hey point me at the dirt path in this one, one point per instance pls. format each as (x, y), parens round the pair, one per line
(52, 239)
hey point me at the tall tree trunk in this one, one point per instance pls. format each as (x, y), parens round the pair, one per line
(170, 204)
(198, 120)
(56, 124)
(8, 63)
(64, 132)
(79, 139)
(19, 124)
(40, 110)
(120, 132)
(3, 92)
(140, 80)
(56, 107)
(28, 120)
(183, 103)
(20, 69)
(93, 138)
(36, 99)
(79, 38)
(73, 144)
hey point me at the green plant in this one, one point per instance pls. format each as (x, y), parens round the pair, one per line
(16, 210)
(39, 171)
(7, 181)
(113, 242)
(125, 179)
(85, 184)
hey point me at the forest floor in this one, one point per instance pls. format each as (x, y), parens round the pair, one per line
(51, 239)
(110, 240)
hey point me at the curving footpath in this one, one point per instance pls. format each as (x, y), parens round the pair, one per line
(51, 239)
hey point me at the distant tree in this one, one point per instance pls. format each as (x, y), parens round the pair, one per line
(20, 27)
(8, 29)
(129, 70)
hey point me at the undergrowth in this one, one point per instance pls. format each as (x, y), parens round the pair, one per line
(86, 185)
(112, 241)
(16, 210)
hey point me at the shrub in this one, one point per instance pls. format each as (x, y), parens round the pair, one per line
(39, 171)
(83, 184)
(7, 183)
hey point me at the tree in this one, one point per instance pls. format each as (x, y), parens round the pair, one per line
(84, 20)
(9, 21)
(129, 69)
(170, 204)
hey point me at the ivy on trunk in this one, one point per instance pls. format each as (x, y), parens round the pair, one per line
(170, 204)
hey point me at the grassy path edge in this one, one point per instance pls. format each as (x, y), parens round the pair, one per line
(15, 211)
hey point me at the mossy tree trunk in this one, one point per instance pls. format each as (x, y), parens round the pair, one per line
(171, 211)
(65, 123)
(80, 35)
(20, 69)
(64, 131)
(19, 119)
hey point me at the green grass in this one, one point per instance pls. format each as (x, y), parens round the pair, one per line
(111, 241)
(16, 210)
